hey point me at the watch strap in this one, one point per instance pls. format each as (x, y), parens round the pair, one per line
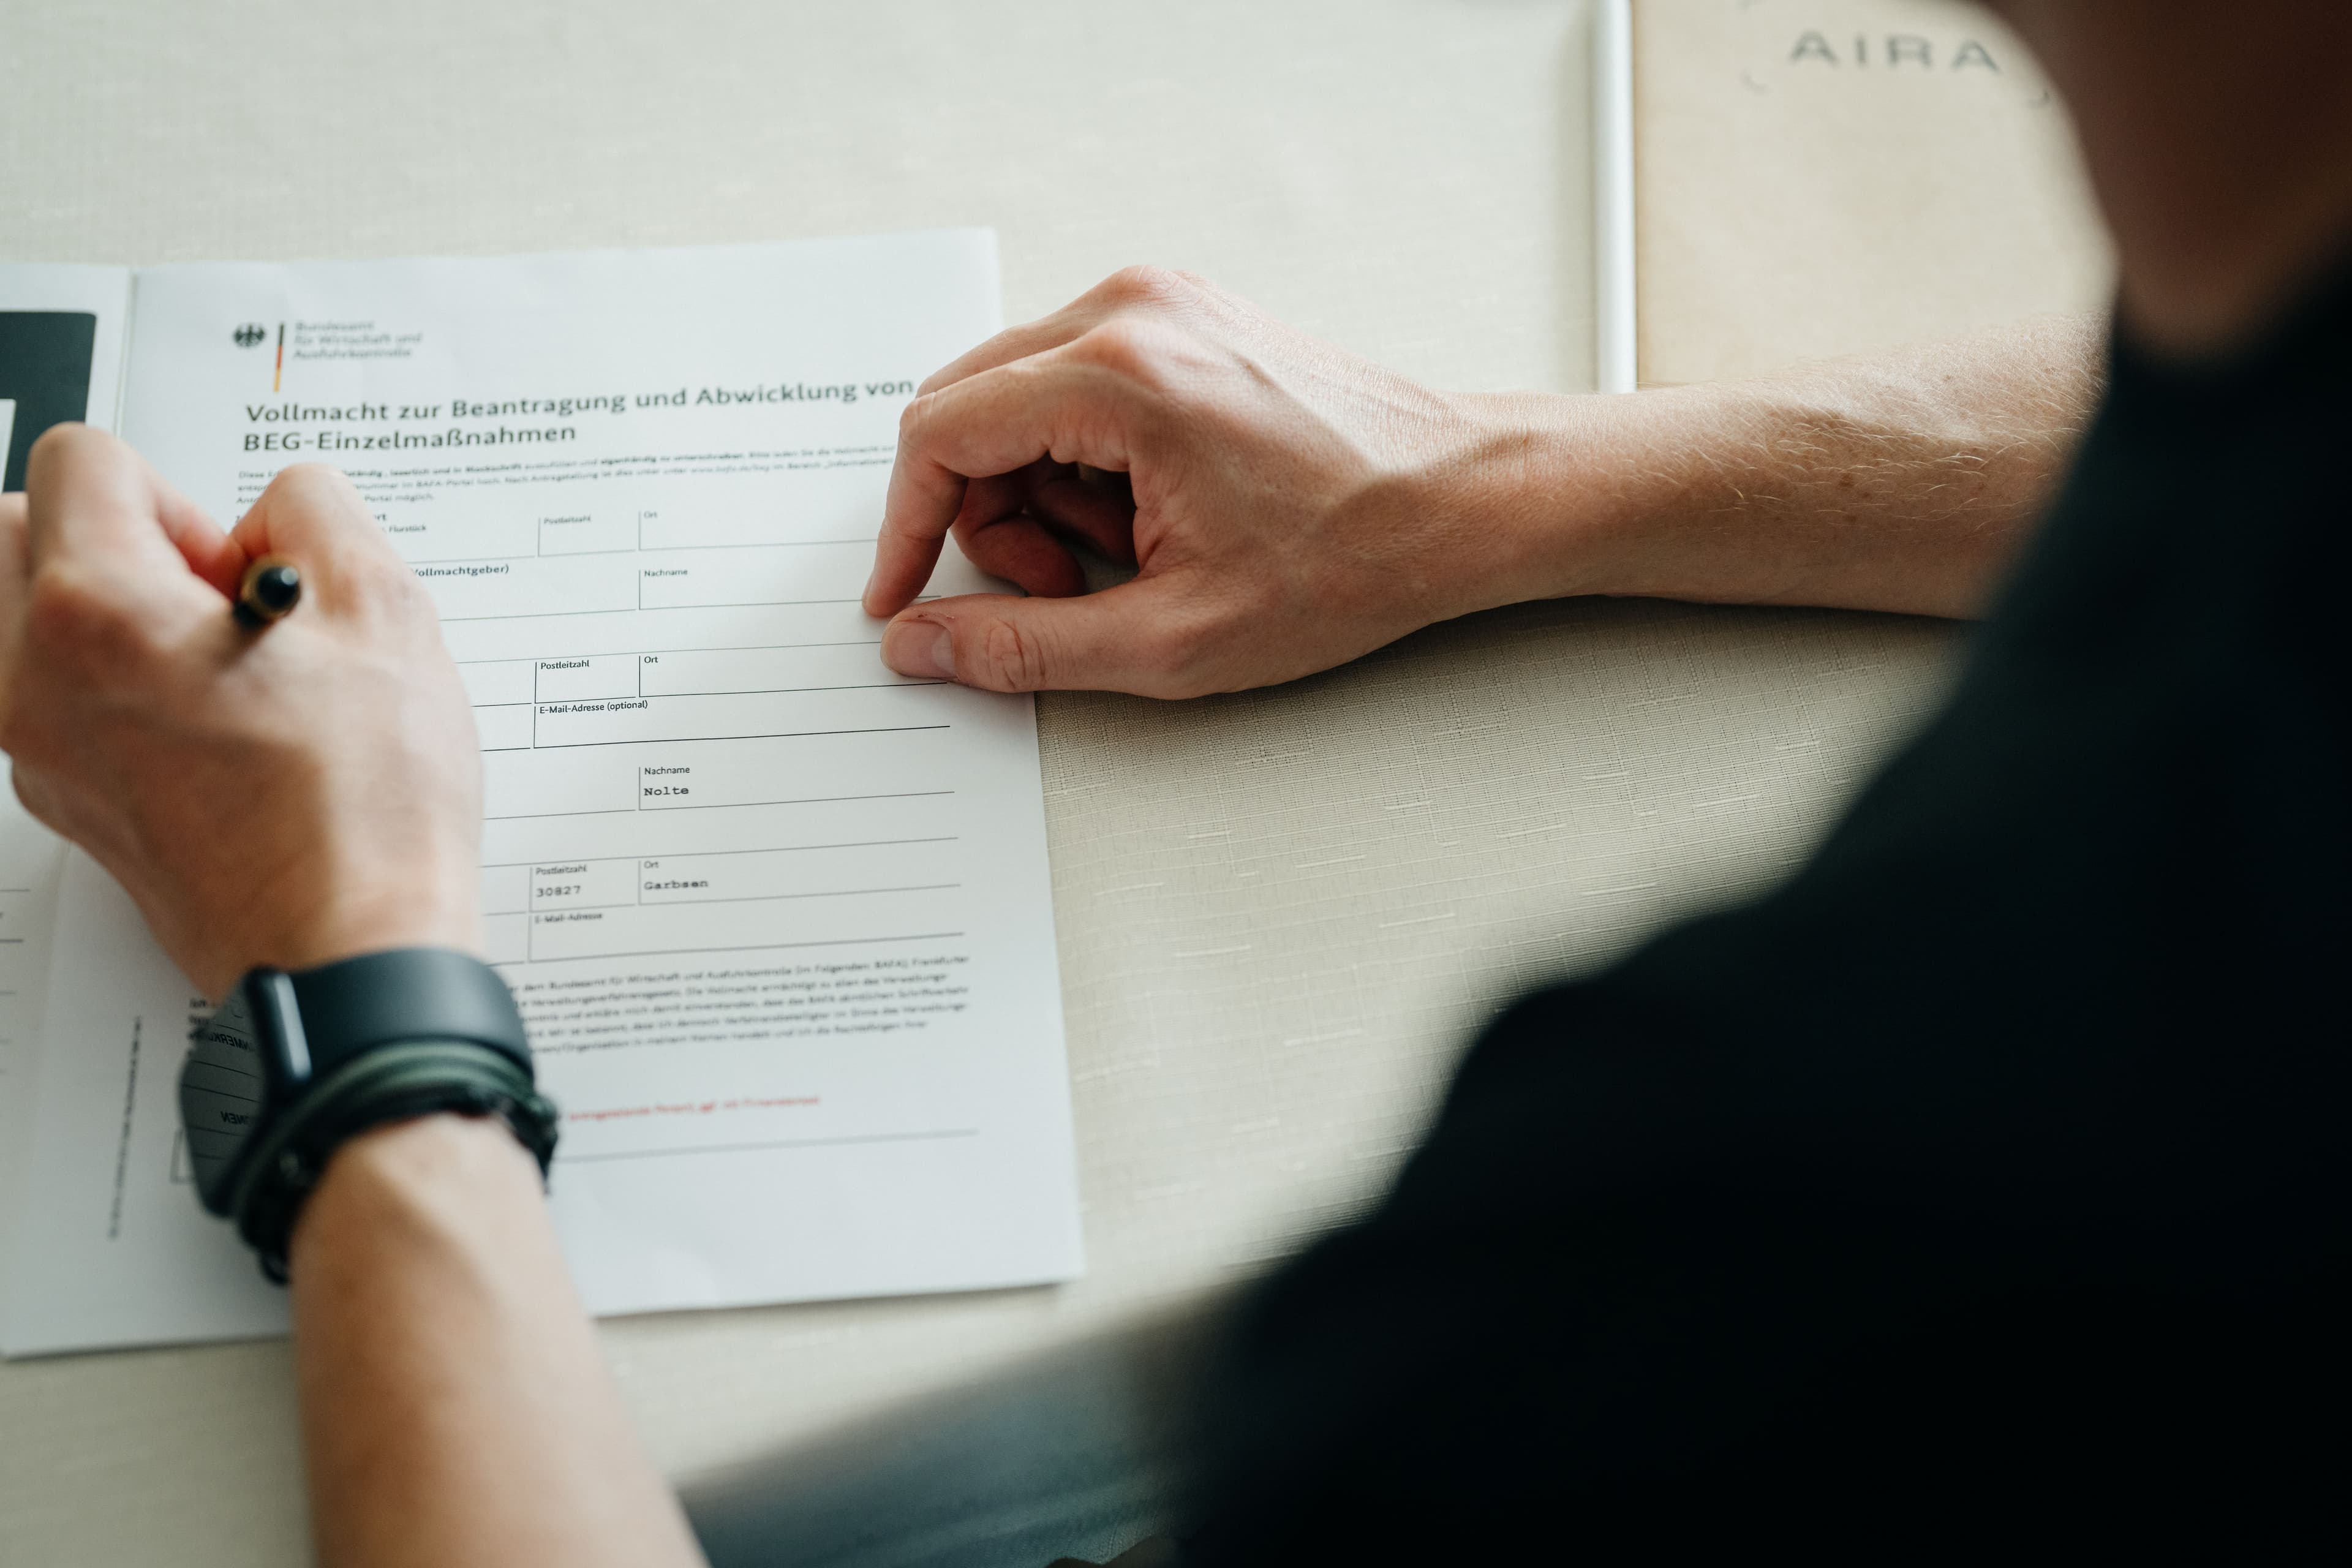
(305, 1062)
(355, 1004)
(391, 1082)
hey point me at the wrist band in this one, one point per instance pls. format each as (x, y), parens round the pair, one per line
(294, 1066)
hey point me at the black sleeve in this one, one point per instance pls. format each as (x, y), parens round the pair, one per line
(1988, 1185)
(1639, 1290)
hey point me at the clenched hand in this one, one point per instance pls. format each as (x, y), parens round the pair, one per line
(1287, 505)
(288, 796)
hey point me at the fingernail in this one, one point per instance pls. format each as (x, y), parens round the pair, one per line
(920, 648)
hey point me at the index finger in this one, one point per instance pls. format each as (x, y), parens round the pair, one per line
(1129, 288)
(1050, 405)
(314, 515)
(1015, 343)
(88, 495)
(14, 568)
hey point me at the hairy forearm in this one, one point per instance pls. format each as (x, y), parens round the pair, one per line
(1902, 481)
(454, 1407)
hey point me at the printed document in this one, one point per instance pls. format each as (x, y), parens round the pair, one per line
(60, 359)
(778, 919)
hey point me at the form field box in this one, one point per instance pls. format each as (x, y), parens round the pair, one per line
(632, 630)
(744, 716)
(583, 884)
(587, 677)
(506, 890)
(777, 507)
(531, 586)
(588, 531)
(506, 939)
(755, 626)
(493, 681)
(767, 574)
(456, 525)
(816, 871)
(895, 766)
(536, 784)
(863, 920)
(700, 673)
(504, 728)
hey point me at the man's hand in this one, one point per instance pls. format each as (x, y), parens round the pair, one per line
(287, 796)
(1287, 506)
(293, 796)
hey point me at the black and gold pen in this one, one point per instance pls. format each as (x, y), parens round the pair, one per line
(272, 587)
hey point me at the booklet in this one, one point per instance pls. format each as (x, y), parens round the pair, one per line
(778, 919)
(1844, 177)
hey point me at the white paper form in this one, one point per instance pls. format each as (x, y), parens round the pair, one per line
(45, 374)
(779, 919)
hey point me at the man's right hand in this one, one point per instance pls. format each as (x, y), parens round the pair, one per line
(288, 796)
(1287, 506)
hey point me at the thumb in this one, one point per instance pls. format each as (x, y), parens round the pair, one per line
(1127, 638)
(314, 515)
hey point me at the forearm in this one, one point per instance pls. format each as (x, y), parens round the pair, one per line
(1903, 481)
(454, 1407)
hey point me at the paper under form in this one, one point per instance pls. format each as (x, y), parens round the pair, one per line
(779, 920)
(61, 358)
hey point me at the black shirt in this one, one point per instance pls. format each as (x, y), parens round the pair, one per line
(1985, 1184)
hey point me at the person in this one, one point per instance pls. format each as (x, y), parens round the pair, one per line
(1983, 1186)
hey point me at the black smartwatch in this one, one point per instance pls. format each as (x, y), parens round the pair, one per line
(293, 1065)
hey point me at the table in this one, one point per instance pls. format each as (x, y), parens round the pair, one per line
(1280, 912)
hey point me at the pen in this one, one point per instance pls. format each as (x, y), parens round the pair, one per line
(272, 587)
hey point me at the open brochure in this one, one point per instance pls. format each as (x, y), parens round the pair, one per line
(778, 919)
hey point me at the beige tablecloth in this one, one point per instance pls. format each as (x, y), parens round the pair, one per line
(1279, 912)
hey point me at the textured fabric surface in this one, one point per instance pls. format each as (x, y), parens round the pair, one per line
(1280, 913)
(1079, 1452)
